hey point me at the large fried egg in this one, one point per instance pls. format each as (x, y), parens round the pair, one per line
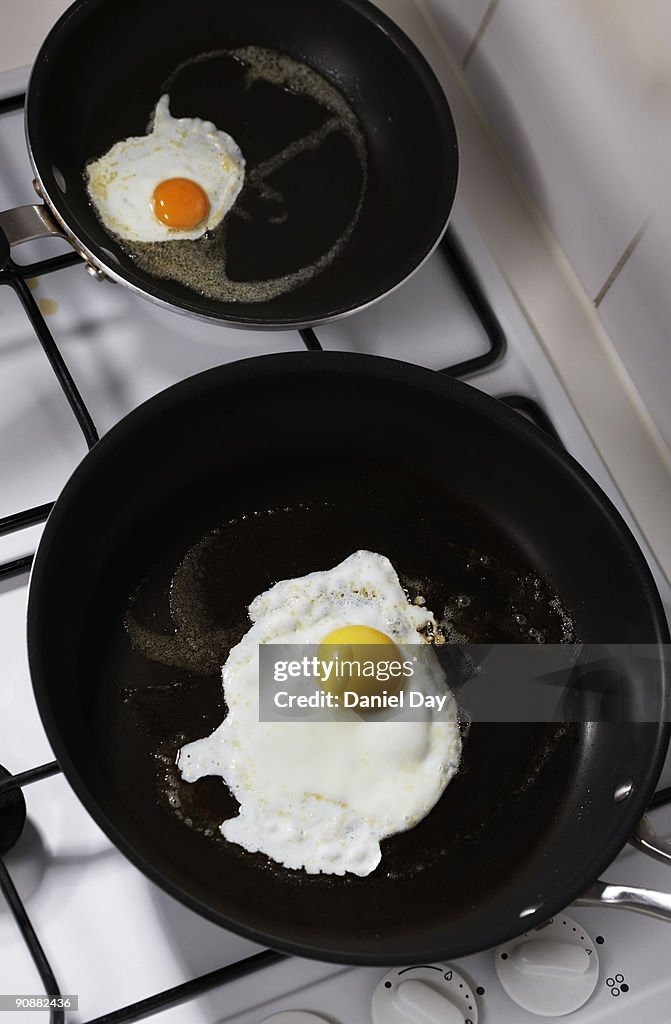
(176, 182)
(320, 795)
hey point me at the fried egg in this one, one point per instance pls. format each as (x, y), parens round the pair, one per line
(176, 182)
(320, 795)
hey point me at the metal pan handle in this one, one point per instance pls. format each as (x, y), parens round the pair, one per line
(23, 224)
(643, 901)
(647, 841)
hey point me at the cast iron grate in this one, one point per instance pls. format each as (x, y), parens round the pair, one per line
(15, 276)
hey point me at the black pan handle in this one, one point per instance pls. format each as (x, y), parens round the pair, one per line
(643, 901)
(23, 224)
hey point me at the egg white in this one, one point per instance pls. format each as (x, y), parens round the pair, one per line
(121, 183)
(320, 795)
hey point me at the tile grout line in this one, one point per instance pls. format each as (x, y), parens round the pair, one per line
(615, 272)
(480, 31)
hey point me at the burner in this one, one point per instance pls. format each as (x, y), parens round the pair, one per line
(12, 814)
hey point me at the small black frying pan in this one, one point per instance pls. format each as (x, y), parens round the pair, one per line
(275, 467)
(105, 64)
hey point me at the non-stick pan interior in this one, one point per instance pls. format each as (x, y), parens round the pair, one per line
(281, 466)
(103, 69)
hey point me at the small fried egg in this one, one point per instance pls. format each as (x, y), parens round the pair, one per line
(176, 182)
(320, 795)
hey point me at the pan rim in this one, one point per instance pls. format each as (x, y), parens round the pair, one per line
(94, 254)
(395, 371)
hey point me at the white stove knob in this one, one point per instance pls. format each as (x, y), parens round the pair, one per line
(550, 971)
(427, 994)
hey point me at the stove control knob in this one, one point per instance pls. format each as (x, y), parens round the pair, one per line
(434, 994)
(550, 971)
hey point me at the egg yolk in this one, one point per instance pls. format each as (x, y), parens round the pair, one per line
(360, 646)
(180, 203)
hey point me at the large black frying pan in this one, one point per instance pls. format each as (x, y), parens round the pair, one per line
(297, 460)
(105, 64)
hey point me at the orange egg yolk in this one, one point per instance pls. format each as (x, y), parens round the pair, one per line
(359, 645)
(180, 203)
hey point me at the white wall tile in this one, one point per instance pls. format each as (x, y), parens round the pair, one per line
(636, 312)
(552, 90)
(458, 21)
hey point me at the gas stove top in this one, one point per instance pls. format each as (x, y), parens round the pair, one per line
(75, 356)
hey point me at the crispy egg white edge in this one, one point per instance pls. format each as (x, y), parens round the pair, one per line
(282, 815)
(120, 184)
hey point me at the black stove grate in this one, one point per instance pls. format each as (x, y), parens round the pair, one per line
(15, 276)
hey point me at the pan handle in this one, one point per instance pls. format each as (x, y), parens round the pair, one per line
(24, 223)
(647, 841)
(644, 901)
